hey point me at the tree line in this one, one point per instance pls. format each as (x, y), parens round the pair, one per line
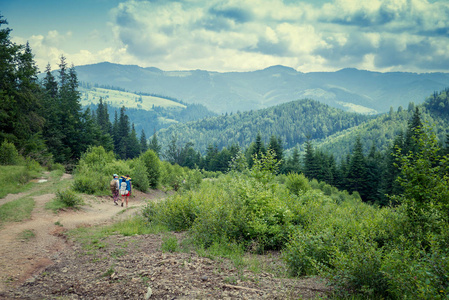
(371, 174)
(44, 119)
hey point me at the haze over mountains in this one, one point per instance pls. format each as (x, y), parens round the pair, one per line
(349, 89)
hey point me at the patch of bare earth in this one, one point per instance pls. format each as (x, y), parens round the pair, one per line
(48, 266)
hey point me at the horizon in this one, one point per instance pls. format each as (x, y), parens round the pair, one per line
(230, 36)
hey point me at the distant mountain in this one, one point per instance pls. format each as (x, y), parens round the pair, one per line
(348, 89)
(147, 112)
(293, 122)
(330, 129)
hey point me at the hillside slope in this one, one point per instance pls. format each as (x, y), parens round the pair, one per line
(349, 89)
(293, 122)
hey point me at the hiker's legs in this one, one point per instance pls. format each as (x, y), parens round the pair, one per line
(127, 201)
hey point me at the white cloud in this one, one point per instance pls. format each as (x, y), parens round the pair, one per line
(237, 35)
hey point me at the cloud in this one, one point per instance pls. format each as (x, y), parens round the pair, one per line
(235, 35)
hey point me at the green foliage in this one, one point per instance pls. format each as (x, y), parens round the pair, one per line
(8, 154)
(292, 122)
(172, 176)
(425, 179)
(235, 208)
(91, 182)
(139, 175)
(69, 198)
(169, 243)
(17, 178)
(297, 183)
(16, 210)
(152, 164)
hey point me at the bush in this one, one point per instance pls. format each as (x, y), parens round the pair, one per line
(171, 176)
(8, 154)
(152, 164)
(69, 198)
(358, 269)
(139, 176)
(306, 253)
(91, 182)
(297, 183)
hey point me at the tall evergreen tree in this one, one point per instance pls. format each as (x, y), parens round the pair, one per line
(102, 117)
(154, 145)
(173, 151)
(310, 162)
(143, 142)
(133, 149)
(357, 170)
(123, 131)
(21, 121)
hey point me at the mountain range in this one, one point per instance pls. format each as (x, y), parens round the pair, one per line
(348, 89)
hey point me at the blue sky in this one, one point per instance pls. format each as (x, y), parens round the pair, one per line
(235, 35)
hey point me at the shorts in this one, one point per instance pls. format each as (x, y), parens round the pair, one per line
(128, 193)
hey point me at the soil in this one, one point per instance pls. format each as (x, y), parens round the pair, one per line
(48, 265)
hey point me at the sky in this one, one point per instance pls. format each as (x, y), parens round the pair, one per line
(236, 35)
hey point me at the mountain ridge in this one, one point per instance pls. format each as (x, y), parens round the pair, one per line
(222, 92)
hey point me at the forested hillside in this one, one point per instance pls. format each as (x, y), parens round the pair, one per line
(381, 131)
(348, 89)
(293, 123)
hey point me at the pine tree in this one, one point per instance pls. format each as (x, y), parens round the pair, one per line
(143, 142)
(123, 131)
(102, 117)
(357, 170)
(133, 149)
(173, 151)
(21, 118)
(154, 145)
(310, 162)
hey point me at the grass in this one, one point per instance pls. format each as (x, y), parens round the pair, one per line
(16, 210)
(26, 235)
(91, 237)
(120, 98)
(11, 180)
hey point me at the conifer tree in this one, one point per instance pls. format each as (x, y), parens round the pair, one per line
(143, 142)
(357, 170)
(310, 163)
(123, 131)
(154, 145)
(133, 149)
(21, 121)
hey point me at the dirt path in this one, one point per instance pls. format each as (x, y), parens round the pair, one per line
(20, 258)
(47, 266)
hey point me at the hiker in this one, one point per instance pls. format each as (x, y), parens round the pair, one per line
(114, 185)
(125, 188)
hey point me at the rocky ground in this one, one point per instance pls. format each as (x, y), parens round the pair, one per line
(52, 266)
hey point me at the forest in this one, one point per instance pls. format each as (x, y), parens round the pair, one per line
(372, 218)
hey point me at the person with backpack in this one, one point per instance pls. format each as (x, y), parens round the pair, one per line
(125, 188)
(114, 185)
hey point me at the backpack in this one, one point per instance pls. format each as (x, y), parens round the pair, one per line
(113, 185)
(123, 188)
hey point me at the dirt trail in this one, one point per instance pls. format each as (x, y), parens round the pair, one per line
(47, 266)
(21, 257)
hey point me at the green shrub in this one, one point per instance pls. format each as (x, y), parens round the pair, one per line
(169, 243)
(171, 176)
(307, 253)
(96, 158)
(297, 183)
(8, 154)
(69, 198)
(152, 164)
(91, 182)
(192, 179)
(357, 268)
(139, 175)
